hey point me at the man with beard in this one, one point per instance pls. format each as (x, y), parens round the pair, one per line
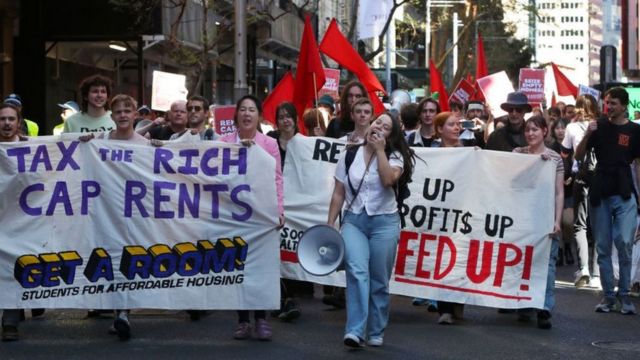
(197, 114)
(511, 135)
(10, 125)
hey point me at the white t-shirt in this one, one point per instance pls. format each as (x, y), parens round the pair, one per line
(573, 135)
(374, 198)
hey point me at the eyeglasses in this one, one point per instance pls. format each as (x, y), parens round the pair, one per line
(196, 108)
(516, 109)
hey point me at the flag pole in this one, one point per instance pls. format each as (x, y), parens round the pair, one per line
(315, 94)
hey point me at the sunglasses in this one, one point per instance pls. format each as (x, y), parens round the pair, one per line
(196, 108)
(516, 109)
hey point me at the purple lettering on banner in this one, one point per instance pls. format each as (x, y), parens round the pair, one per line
(240, 162)
(193, 204)
(209, 154)
(67, 156)
(158, 199)
(60, 195)
(40, 156)
(37, 211)
(128, 156)
(215, 199)
(234, 197)
(188, 168)
(130, 197)
(19, 153)
(103, 153)
(87, 194)
(162, 157)
(116, 154)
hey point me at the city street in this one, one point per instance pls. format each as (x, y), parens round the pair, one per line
(578, 333)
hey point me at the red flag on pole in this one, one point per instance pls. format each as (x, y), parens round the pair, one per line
(281, 93)
(482, 69)
(337, 47)
(309, 74)
(554, 101)
(436, 85)
(564, 86)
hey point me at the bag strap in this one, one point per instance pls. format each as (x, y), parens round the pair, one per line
(357, 191)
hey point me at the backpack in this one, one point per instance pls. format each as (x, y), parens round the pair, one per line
(402, 186)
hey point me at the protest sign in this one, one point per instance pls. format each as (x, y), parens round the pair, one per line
(463, 240)
(462, 92)
(583, 89)
(118, 225)
(495, 89)
(331, 84)
(223, 117)
(532, 84)
(167, 88)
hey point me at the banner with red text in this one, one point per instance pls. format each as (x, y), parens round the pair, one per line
(532, 84)
(120, 225)
(476, 222)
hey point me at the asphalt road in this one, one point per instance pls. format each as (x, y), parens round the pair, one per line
(578, 333)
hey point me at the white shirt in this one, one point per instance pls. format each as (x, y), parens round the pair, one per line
(573, 135)
(374, 198)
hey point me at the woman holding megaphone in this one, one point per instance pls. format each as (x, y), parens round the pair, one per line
(366, 177)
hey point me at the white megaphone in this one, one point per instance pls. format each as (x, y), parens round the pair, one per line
(321, 250)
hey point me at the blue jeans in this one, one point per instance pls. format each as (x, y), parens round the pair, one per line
(614, 222)
(370, 250)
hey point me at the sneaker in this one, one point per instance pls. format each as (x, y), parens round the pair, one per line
(243, 331)
(445, 319)
(375, 341)
(544, 321)
(121, 325)
(419, 302)
(9, 333)
(594, 283)
(607, 304)
(263, 330)
(290, 311)
(581, 279)
(627, 306)
(352, 341)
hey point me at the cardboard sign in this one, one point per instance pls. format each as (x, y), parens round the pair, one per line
(463, 91)
(495, 88)
(167, 88)
(532, 84)
(585, 90)
(330, 87)
(223, 118)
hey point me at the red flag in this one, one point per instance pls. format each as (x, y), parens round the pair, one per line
(337, 47)
(281, 93)
(309, 75)
(554, 101)
(436, 85)
(378, 106)
(563, 84)
(482, 69)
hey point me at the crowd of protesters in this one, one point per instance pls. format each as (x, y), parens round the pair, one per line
(595, 186)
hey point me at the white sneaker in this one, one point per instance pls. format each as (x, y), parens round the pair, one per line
(445, 319)
(121, 325)
(594, 283)
(352, 341)
(581, 278)
(375, 341)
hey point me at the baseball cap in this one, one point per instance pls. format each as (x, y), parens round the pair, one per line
(71, 105)
(144, 109)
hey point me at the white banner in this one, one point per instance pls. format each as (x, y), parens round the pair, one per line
(476, 222)
(372, 15)
(109, 224)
